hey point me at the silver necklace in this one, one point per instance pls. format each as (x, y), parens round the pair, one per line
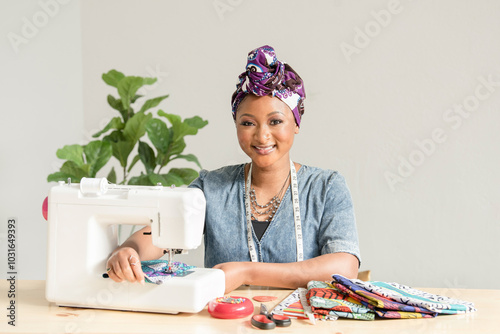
(269, 209)
(296, 215)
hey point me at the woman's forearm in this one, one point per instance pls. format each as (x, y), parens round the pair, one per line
(143, 245)
(289, 275)
(298, 274)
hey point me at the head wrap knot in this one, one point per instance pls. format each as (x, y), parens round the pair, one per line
(266, 75)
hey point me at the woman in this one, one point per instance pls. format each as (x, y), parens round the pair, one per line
(271, 222)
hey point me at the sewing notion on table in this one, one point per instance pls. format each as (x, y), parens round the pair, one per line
(83, 232)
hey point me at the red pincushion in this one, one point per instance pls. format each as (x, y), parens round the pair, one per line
(230, 307)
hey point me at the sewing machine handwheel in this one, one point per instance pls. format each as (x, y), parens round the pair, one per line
(45, 208)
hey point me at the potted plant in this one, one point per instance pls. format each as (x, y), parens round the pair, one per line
(129, 130)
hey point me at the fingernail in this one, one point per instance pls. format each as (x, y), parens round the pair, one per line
(142, 282)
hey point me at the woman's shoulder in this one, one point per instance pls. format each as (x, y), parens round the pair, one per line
(222, 175)
(316, 174)
(219, 179)
(321, 181)
(225, 172)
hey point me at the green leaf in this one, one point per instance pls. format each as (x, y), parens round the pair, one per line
(136, 127)
(121, 150)
(113, 77)
(175, 120)
(134, 161)
(58, 176)
(141, 180)
(76, 172)
(159, 134)
(177, 147)
(128, 86)
(115, 123)
(117, 105)
(188, 157)
(166, 179)
(72, 153)
(151, 103)
(137, 96)
(162, 159)
(183, 128)
(97, 154)
(112, 175)
(114, 136)
(147, 156)
(196, 122)
(149, 81)
(186, 174)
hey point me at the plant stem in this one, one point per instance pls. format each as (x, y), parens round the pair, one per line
(124, 175)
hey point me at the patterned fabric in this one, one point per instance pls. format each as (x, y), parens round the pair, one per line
(292, 307)
(327, 300)
(382, 306)
(356, 299)
(406, 295)
(266, 75)
(156, 271)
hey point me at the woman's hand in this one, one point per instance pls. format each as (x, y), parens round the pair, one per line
(236, 274)
(125, 265)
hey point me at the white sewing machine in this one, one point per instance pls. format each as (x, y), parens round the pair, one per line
(83, 224)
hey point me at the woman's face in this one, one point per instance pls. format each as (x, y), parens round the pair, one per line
(266, 128)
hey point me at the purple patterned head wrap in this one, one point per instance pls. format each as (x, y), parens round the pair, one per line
(266, 75)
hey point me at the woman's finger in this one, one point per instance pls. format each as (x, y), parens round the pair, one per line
(137, 270)
(125, 268)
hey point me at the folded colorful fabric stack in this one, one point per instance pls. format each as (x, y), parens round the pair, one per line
(356, 299)
(292, 307)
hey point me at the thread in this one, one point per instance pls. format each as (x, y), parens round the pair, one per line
(96, 186)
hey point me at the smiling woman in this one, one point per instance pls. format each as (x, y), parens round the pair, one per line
(272, 221)
(266, 129)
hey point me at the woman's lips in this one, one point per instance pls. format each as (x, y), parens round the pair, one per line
(264, 150)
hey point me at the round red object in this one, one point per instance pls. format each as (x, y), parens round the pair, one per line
(263, 299)
(45, 207)
(230, 307)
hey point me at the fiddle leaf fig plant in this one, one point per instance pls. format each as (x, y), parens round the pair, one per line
(124, 133)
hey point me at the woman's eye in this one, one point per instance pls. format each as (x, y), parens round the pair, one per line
(276, 121)
(246, 123)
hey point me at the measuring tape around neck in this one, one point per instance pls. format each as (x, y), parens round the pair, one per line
(296, 214)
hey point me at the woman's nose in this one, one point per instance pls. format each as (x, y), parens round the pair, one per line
(263, 134)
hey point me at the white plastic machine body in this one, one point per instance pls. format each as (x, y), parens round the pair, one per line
(83, 232)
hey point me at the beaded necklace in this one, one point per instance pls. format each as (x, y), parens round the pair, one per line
(270, 207)
(296, 215)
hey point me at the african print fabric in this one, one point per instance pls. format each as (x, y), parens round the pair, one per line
(408, 296)
(356, 299)
(266, 75)
(157, 271)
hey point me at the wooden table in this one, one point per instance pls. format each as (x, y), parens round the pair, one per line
(34, 314)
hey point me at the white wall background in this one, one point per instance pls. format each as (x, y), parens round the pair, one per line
(42, 109)
(371, 114)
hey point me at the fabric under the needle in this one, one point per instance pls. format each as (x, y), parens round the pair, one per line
(156, 271)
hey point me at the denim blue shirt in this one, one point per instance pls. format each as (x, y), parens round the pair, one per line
(328, 222)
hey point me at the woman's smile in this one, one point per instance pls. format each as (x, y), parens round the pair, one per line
(264, 150)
